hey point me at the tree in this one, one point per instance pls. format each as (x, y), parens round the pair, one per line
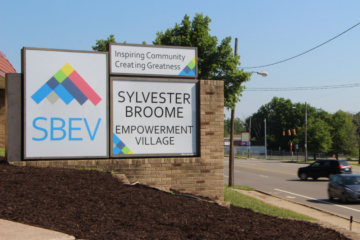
(281, 116)
(238, 126)
(214, 62)
(318, 136)
(343, 133)
(356, 122)
(101, 44)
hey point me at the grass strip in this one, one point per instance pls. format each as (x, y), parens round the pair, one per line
(240, 187)
(2, 152)
(240, 200)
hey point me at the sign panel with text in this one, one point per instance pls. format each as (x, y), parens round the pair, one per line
(154, 117)
(66, 113)
(128, 59)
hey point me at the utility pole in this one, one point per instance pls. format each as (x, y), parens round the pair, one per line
(306, 157)
(249, 138)
(265, 140)
(232, 130)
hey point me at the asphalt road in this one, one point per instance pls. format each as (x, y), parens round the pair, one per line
(280, 179)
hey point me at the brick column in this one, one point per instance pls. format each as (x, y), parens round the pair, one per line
(212, 132)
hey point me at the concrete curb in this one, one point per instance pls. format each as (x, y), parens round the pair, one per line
(320, 210)
(326, 220)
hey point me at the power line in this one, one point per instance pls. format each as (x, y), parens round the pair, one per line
(304, 88)
(303, 52)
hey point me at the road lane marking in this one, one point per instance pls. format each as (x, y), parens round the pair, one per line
(264, 169)
(263, 176)
(290, 197)
(317, 200)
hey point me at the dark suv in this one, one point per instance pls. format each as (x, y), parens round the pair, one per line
(324, 168)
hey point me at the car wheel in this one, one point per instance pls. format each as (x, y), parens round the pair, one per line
(315, 178)
(303, 176)
(343, 198)
(330, 175)
(330, 195)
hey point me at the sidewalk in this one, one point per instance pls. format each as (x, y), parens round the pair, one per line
(325, 219)
(17, 231)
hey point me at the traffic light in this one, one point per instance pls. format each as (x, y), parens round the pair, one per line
(294, 131)
(289, 132)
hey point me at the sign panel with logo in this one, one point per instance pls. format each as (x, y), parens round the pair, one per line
(154, 117)
(172, 61)
(65, 104)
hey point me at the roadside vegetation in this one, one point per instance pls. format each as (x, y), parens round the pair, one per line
(240, 200)
(2, 152)
(330, 133)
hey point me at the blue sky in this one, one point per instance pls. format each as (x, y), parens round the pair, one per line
(268, 31)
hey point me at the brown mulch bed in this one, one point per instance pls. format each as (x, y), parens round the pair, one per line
(95, 205)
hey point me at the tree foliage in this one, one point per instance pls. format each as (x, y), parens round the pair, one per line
(356, 122)
(338, 132)
(318, 136)
(215, 62)
(238, 126)
(281, 116)
(343, 133)
(101, 44)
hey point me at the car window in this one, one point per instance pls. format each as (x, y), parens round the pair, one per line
(335, 178)
(344, 163)
(326, 163)
(315, 164)
(352, 180)
(334, 163)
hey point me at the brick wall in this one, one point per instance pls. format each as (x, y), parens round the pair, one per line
(197, 175)
(2, 118)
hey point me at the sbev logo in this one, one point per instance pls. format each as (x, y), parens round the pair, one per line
(66, 85)
(66, 103)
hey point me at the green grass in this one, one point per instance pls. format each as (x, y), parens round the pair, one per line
(240, 187)
(237, 156)
(2, 152)
(241, 200)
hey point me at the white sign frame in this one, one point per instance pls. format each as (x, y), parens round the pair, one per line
(138, 54)
(196, 132)
(36, 63)
(245, 137)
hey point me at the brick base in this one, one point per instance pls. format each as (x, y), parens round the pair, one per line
(196, 175)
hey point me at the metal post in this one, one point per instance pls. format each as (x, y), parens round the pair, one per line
(306, 157)
(231, 155)
(297, 157)
(265, 140)
(233, 170)
(249, 139)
